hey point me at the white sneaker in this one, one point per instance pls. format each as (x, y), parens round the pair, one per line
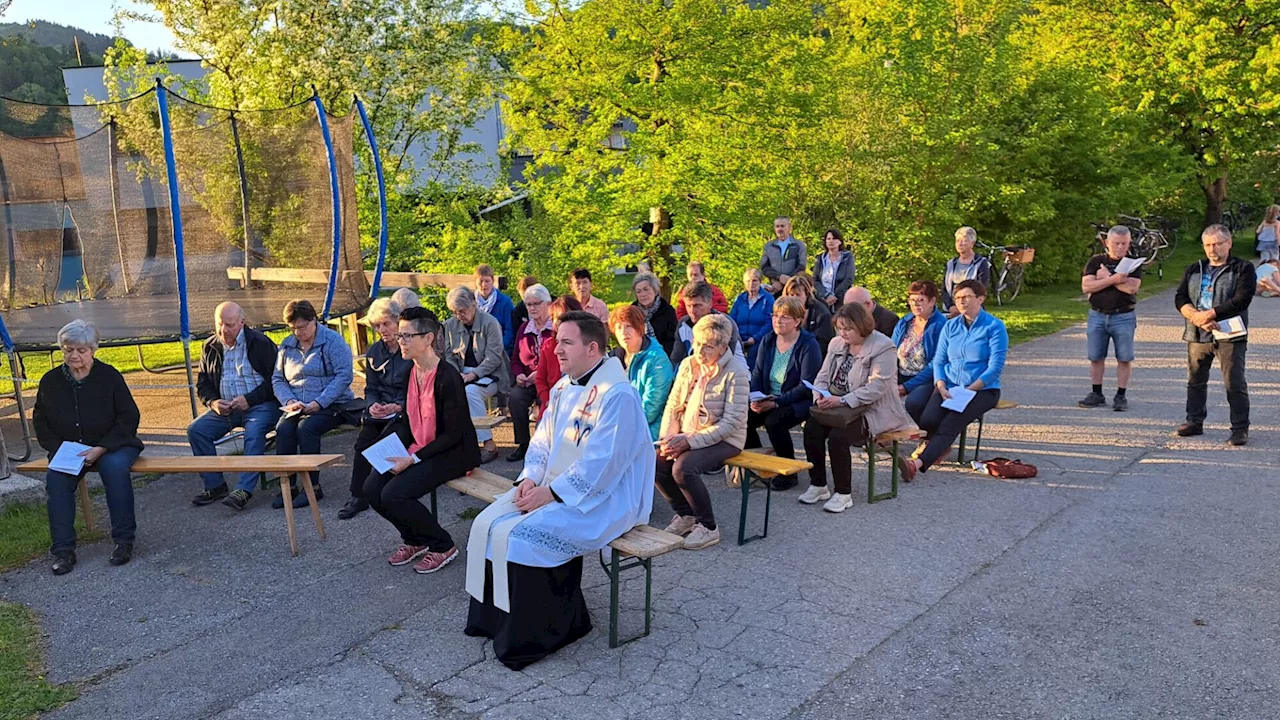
(838, 503)
(680, 525)
(701, 537)
(814, 494)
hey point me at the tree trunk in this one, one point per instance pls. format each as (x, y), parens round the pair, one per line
(660, 219)
(1215, 197)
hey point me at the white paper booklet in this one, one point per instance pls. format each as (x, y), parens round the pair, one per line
(1230, 329)
(809, 385)
(1128, 265)
(68, 458)
(960, 397)
(757, 396)
(380, 453)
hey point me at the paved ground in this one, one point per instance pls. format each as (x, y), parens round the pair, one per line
(1135, 578)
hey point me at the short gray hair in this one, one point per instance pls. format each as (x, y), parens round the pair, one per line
(1221, 231)
(1119, 231)
(646, 278)
(460, 298)
(539, 291)
(78, 332)
(716, 328)
(382, 308)
(406, 298)
(968, 233)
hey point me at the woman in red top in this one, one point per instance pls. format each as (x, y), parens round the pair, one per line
(436, 429)
(548, 372)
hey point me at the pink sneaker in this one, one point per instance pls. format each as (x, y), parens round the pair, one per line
(433, 561)
(406, 554)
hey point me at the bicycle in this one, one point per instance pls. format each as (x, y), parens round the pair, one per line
(1148, 243)
(1009, 275)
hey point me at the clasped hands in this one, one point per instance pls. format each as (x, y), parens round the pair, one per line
(530, 496)
(225, 407)
(673, 447)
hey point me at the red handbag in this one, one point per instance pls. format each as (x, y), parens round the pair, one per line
(1006, 468)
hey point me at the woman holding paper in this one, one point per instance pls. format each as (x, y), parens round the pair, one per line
(855, 398)
(86, 406)
(789, 356)
(966, 370)
(441, 442)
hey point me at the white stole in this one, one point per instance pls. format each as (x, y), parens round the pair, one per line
(493, 518)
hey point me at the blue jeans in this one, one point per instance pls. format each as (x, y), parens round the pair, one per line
(301, 434)
(257, 421)
(61, 488)
(1117, 328)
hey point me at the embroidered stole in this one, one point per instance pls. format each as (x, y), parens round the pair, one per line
(503, 516)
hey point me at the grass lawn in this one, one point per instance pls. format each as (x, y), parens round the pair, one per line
(24, 534)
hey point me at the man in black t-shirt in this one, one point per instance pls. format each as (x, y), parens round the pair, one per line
(1112, 296)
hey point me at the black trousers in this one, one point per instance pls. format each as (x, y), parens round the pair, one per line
(680, 480)
(818, 438)
(519, 400)
(548, 612)
(396, 498)
(370, 431)
(777, 425)
(1231, 361)
(944, 425)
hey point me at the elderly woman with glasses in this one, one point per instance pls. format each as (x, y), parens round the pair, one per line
(789, 356)
(916, 337)
(436, 429)
(312, 381)
(660, 318)
(386, 385)
(704, 424)
(524, 365)
(87, 402)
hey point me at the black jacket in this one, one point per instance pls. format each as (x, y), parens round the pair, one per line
(262, 358)
(817, 320)
(386, 375)
(456, 450)
(1233, 291)
(98, 412)
(664, 323)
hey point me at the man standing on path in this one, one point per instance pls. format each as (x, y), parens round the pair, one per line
(1112, 319)
(1213, 296)
(783, 257)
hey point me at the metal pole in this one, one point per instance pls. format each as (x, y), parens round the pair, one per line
(337, 202)
(9, 236)
(244, 200)
(115, 203)
(15, 373)
(191, 383)
(179, 252)
(382, 199)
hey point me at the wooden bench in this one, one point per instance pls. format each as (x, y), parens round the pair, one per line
(642, 543)
(977, 444)
(488, 422)
(275, 465)
(891, 440)
(759, 469)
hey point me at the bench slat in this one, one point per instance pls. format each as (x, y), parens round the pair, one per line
(1005, 404)
(488, 422)
(481, 485)
(767, 466)
(899, 436)
(222, 463)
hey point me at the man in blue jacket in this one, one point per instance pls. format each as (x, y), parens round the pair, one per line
(1214, 297)
(497, 304)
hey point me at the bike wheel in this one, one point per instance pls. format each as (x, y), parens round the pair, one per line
(1017, 273)
(1001, 288)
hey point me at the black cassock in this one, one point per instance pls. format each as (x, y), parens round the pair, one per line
(548, 612)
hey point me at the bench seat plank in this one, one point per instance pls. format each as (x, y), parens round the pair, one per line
(488, 422)
(289, 464)
(767, 466)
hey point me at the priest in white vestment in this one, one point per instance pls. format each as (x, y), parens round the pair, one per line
(587, 479)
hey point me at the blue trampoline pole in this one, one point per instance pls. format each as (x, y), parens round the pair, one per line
(382, 199)
(179, 253)
(337, 203)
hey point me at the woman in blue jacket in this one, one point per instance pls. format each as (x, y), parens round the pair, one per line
(648, 367)
(751, 311)
(788, 354)
(916, 338)
(970, 355)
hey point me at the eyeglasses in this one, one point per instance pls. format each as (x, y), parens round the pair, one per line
(785, 317)
(295, 329)
(405, 336)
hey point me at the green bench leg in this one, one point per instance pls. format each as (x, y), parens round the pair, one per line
(748, 479)
(872, 496)
(614, 570)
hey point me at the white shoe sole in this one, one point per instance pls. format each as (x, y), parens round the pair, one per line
(840, 509)
(815, 501)
(412, 559)
(439, 567)
(709, 543)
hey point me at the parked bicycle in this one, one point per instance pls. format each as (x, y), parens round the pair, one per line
(1008, 269)
(1152, 239)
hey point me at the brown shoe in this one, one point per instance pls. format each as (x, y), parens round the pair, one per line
(907, 467)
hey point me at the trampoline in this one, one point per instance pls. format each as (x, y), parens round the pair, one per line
(166, 207)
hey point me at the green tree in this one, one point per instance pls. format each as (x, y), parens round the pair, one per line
(1204, 70)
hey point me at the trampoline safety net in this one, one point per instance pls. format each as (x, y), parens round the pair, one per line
(86, 229)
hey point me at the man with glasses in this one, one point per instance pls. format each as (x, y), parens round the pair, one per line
(1214, 298)
(234, 382)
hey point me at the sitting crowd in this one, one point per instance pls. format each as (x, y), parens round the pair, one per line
(793, 351)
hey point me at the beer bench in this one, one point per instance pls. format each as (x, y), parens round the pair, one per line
(273, 465)
(890, 440)
(642, 543)
(759, 469)
(977, 444)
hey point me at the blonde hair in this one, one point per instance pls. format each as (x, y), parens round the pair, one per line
(714, 329)
(789, 306)
(752, 273)
(797, 284)
(1273, 213)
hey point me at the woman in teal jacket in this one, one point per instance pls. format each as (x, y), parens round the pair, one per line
(648, 367)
